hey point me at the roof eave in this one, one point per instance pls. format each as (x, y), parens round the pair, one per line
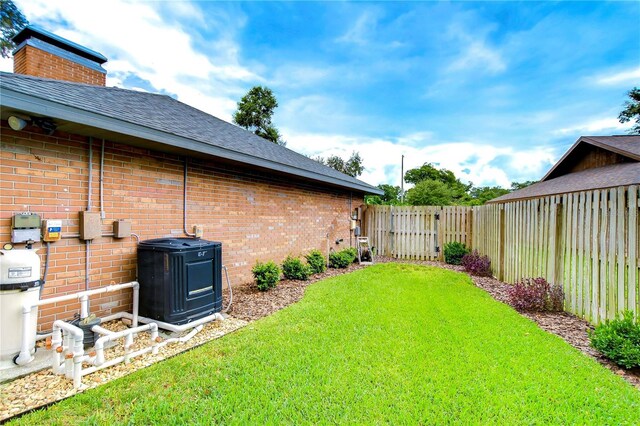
(35, 105)
(590, 141)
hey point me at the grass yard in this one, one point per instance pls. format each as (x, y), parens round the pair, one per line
(392, 343)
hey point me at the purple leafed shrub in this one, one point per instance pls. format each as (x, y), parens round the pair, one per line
(536, 294)
(476, 264)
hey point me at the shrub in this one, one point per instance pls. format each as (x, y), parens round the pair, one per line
(294, 269)
(316, 261)
(476, 264)
(340, 259)
(536, 294)
(619, 340)
(454, 252)
(353, 253)
(266, 275)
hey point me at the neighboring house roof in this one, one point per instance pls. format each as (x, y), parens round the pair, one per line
(170, 124)
(625, 171)
(598, 178)
(627, 146)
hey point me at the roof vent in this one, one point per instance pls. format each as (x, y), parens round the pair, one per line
(44, 54)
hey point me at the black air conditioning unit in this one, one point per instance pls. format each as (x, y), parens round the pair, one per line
(180, 279)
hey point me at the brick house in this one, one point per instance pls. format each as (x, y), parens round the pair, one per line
(142, 158)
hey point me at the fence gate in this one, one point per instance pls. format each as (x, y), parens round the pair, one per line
(416, 232)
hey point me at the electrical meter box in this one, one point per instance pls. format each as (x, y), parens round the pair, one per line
(25, 228)
(51, 230)
(25, 221)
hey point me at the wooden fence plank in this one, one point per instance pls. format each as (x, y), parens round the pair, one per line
(633, 303)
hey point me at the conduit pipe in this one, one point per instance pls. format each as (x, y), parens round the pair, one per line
(25, 356)
(184, 200)
(102, 212)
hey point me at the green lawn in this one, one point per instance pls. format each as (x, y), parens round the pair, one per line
(392, 343)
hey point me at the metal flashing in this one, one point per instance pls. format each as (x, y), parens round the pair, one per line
(62, 53)
(35, 32)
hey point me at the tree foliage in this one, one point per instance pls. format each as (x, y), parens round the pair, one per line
(352, 167)
(391, 196)
(632, 111)
(458, 191)
(520, 185)
(482, 194)
(255, 111)
(11, 22)
(431, 192)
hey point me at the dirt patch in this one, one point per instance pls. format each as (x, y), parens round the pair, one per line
(569, 327)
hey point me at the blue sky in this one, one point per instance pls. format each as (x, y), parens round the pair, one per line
(495, 91)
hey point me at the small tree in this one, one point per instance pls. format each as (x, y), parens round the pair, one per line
(254, 113)
(632, 111)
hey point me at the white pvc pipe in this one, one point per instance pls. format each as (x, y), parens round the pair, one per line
(24, 357)
(101, 330)
(72, 359)
(177, 328)
(127, 334)
(183, 339)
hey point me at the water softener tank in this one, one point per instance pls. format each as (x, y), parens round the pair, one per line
(19, 284)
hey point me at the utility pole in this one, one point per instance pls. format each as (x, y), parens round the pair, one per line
(402, 179)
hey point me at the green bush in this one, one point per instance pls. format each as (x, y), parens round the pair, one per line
(340, 259)
(352, 252)
(266, 275)
(454, 252)
(619, 340)
(294, 269)
(316, 261)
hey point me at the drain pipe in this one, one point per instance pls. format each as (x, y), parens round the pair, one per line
(184, 200)
(350, 211)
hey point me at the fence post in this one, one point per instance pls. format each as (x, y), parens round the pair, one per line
(501, 228)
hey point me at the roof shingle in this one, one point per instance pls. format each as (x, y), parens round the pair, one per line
(165, 114)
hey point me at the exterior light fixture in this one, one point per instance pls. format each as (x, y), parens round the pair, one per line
(17, 123)
(45, 124)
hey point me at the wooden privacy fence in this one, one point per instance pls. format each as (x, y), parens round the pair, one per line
(408, 232)
(588, 242)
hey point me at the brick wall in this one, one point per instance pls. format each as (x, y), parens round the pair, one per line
(255, 216)
(32, 61)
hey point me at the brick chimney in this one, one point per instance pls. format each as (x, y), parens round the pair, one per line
(43, 54)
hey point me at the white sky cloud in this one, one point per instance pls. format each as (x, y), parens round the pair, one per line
(470, 161)
(478, 55)
(626, 77)
(143, 43)
(598, 125)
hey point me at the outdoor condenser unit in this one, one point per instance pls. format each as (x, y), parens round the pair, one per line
(180, 279)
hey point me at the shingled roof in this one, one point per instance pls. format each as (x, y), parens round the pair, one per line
(159, 118)
(625, 153)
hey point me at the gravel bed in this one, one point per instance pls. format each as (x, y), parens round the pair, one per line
(44, 387)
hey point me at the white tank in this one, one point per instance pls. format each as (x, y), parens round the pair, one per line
(19, 283)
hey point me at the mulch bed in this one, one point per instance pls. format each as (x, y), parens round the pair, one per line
(250, 304)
